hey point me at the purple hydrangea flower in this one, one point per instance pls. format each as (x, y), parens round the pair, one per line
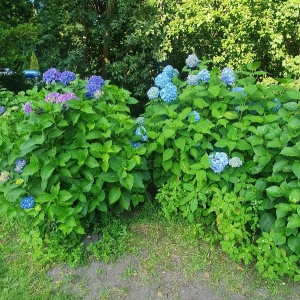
(2, 110)
(169, 92)
(192, 61)
(52, 97)
(204, 75)
(239, 89)
(66, 97)
(196, 116)
(153, 93)
(192, 79)
(227, 76)
(219, 161)
(161, 80)
(27, 202)
(27, 108)
(66, 77)
(141, 131)
(51, 76)
(235, 162)
(20, 164)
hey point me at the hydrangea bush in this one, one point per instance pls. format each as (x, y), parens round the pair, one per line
(66, 154)
(225, 153)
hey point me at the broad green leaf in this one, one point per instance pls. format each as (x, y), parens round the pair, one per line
(168, 132)
(214, 90)
(278, 238)
(194, 204)
(168, 153)
(127, 182)
(138, 180)
(109, 176)
(46, 172)
(294, 196)
(184, 165)
(293, 221)
(242, 145)
(279, 165)
(32, 168)
(91, 162)
(176, 168)
(290, 151)
(294, 244)
(266, 221)
(282, 209)
(296, 168)
(291, 106)
(44, 198)
(125, 201)
(167, 165)
(180, 143)
(205, 161)
(293, 94)
(274, 191)
(114, 195)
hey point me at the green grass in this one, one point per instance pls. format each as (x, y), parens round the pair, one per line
(160, 246)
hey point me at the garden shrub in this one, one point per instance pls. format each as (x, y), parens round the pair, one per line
(224, 150)
(67, 154)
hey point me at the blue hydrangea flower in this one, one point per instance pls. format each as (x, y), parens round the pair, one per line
(192, 79)
(204, 75)
(235, 162)
(140, 120)
(219, 161)
(168, 70)
(227, 76)
(153, 93)
(66, 77)
(276, 108)
(161, 80)
(141, 131)
(27, 108)
(136, 144)
(192, 61)
(20, 164)
(2, 110)
(27, 202)
(239, 89)
(95, 83)
(169, 93)
(51, 76)
(196, 116)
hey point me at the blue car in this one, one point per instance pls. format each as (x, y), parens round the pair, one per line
(31, 73)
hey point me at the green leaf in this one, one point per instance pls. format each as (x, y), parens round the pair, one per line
(278, 238)
(167, 165)
(293, 221)
(231, 115)
(279, 165)
(175, 169)
(109, 176)
(138, 180)
(184, 165)
(205, 161)
(294, 244)
(127, 182)
(194, 204)
(214, 90)
(167, 132)
(125, 201)
(290, 151)
(168, 153)
(32, 167)
(64, 196)
(114, 195)
(243, 145)
(253, 66)
(293, 94)
(291, 106)
(180, 143)
(266, 221)
(294, 196)
(282, 209)
(275, 191)
(91, 162)
(46, 172)
(44, 198)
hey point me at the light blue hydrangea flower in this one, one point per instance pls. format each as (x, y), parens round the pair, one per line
(227, 76)
(196, 116)
(141, 131)
(204, 75)
(169, 92)
(170, 71)
(140, 120)
(219, 161)
(276, 108)
(192, 61)
(20, 164)
(192, 79)
(136, 144)
(238, 89)
(161, 80)
(27, 202)
(235, 162)
(2, 110)
(153, 93)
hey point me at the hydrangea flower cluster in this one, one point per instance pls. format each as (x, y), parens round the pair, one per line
(140, 120)
(95, 83)
(162, 79)
(60, 98)
(276, 108)
(239, 89)
(51, 76)
(170, 71)
(219, 161)
(19, 181)
(196, 116)
(192, 79)
(141, 131)
(227, 76)
(235, 162)
(204, 75)
(153, 93)
(4, 176)
(20, 164)
(98, 94)
(27, 202)
(192, 61)
(136, 144)
(27, 108)
(169, 93)
(66, 77)
(2, 110)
